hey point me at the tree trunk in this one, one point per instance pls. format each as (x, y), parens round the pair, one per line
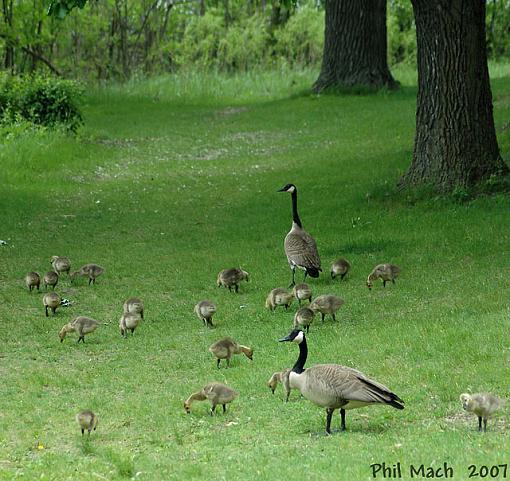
(355, 46)
(455, 142)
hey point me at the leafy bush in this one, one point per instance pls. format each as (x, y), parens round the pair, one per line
(40, 100)
(401, 33)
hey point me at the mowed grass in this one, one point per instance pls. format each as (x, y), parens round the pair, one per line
(172, 180)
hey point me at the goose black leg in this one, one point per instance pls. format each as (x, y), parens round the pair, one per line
(218, 363)
(293, 282)
(342, 415)
(236, 287)
(323, 316)
(224, 408)
(329, 415)
(333, 316)
(46, 307)
(480, 423)
(82, 431)
(307, 328)
(384, 283)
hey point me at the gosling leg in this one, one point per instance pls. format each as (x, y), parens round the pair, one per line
(333, 316)
(82, 431)
(213, 408)
(393, 280)
(218, 363)
(329, 415)
(224, 408)
(323, 316)
(480, 423)
(236, 288)
(46, 307)
(484, 425)
(228, 362)
(384, 283)
(342, 276)
(342, 416)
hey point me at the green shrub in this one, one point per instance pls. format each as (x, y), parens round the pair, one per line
(40, 100)
(401, 33)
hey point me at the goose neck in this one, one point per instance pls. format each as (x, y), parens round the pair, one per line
(299, 367)
(295, 215)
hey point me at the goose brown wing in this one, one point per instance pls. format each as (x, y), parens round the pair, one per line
(301, 249)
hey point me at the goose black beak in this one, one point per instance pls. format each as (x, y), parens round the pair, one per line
(281, 190)
(284, 339)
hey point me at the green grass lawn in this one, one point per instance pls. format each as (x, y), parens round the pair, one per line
(172, 180)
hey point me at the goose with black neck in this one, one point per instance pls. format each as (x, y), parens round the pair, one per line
(332, 386)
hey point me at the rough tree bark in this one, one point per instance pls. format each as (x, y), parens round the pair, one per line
(355, 46)
(455, 142)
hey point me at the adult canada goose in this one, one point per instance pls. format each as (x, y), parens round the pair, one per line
(87, 420)
(226, 347)
(60, 264)
(216, 392)
(340, 268)
(386, 272)
(300, 246)
(333, 386)
(50, 279)
(32, 279)
(481, 404)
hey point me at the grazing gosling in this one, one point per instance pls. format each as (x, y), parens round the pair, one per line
(129, 320)
(231, 278)
(216, 392)
(340, 268)
(205, 311)
(283, 377)
(327, 304)
(386, 272)
(81, 325)
(51, 300)
(301, 292)
(303, 318)
(60, 264)
(226, 347)
(92, 271)
(50, 279)
(87, 420)
(134, 305)
(32, 279)
(279, 297)
(481, 404)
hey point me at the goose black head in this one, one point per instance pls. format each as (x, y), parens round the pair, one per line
(297, 336)
(290, 188)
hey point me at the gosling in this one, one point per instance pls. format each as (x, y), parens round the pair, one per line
(32, 279)
(303, 318)
(87, 420)
(50, 279)
(60, 264)
(279, 297)
(326, 304)
(231, 278)
(386, 272)
(226, 347)
(205, 311)
(216, 392)
(134, 305)
(129, 321)
(283, 377)
(340, 268)
(301, 292)
(92, 271)
(51, 300)
(81, 325)
(481, 404)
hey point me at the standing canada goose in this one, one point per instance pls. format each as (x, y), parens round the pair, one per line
(340, 268)
(81, 325)
(283, 377)
(51, 300)
(300, 246)
(326, 304)
(333, 386)
(88, 270)
(60, 264)
(231, 278)
(87, 420)
(386, 272)
(205, 311)
(32, 279)
(302, 291)
(50, 279)
(481, 404)
(303, 318)
(226, 347)
(129, 320)
(279, 297)
(216, 392)
(133, 305)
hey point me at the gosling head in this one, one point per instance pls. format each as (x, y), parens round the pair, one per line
(465, 399)
(187, 407)
(369, 283)
(290, 188)
(246, 276)
(62, 333)
(272, 383)
(296, 335)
